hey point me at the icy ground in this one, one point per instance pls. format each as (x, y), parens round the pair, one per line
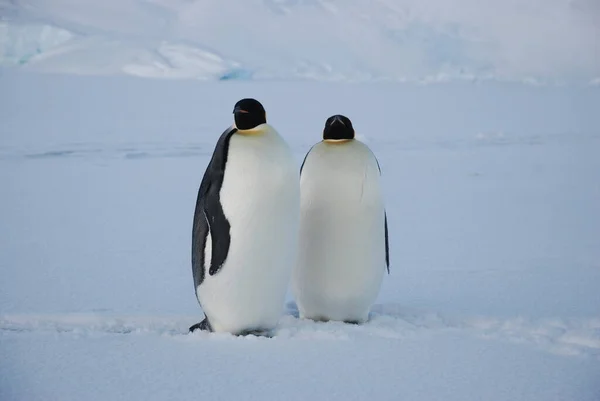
(493, 198)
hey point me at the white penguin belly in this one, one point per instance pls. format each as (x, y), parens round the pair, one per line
(341, 258)
(260, 198)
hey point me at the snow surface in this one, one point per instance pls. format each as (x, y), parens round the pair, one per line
(335, 40)
(493, 200)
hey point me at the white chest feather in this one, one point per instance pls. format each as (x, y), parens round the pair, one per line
(260, 199)
(342, 237)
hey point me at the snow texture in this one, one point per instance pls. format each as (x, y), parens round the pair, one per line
(492, 199)
(536, 41)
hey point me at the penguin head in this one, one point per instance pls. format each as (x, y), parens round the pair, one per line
(249, 113)
(338, 128)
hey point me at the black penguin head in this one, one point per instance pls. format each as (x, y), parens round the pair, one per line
(249, 113)
(337, 128)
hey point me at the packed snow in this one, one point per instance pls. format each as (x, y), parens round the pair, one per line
(492, 190)
(492, 197)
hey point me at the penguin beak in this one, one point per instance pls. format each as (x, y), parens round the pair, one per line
(239, 110)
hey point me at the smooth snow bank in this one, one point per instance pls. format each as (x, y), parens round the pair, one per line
(331, 40)
(426, 366)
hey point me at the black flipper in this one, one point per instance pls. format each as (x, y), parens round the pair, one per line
(209, 216)
(303, 161)
(387, 247)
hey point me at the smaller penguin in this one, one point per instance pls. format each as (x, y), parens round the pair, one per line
(245, 226)
(343, 247)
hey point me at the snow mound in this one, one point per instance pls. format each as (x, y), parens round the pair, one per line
(327, 40)
(19, 43)
(47, 48)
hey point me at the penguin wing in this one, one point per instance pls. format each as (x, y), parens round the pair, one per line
(387, 246)
(385, 227)
(209, 216)
(304, 161)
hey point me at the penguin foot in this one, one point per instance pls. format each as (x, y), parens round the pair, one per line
(258, 333)
(203, 325)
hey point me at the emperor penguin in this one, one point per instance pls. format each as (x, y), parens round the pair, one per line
(343, 247)
(245, 227)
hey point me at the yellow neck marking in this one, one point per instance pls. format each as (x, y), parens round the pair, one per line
(250, 132)
(258, 130)
(337, 141)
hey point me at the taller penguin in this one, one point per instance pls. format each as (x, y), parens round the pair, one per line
(343, 244)
(245, 226)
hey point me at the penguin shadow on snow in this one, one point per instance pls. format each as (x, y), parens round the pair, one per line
(204, 327)
(291, 309)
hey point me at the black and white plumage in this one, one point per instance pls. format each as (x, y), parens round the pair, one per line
(343, 237)
(245, 226)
